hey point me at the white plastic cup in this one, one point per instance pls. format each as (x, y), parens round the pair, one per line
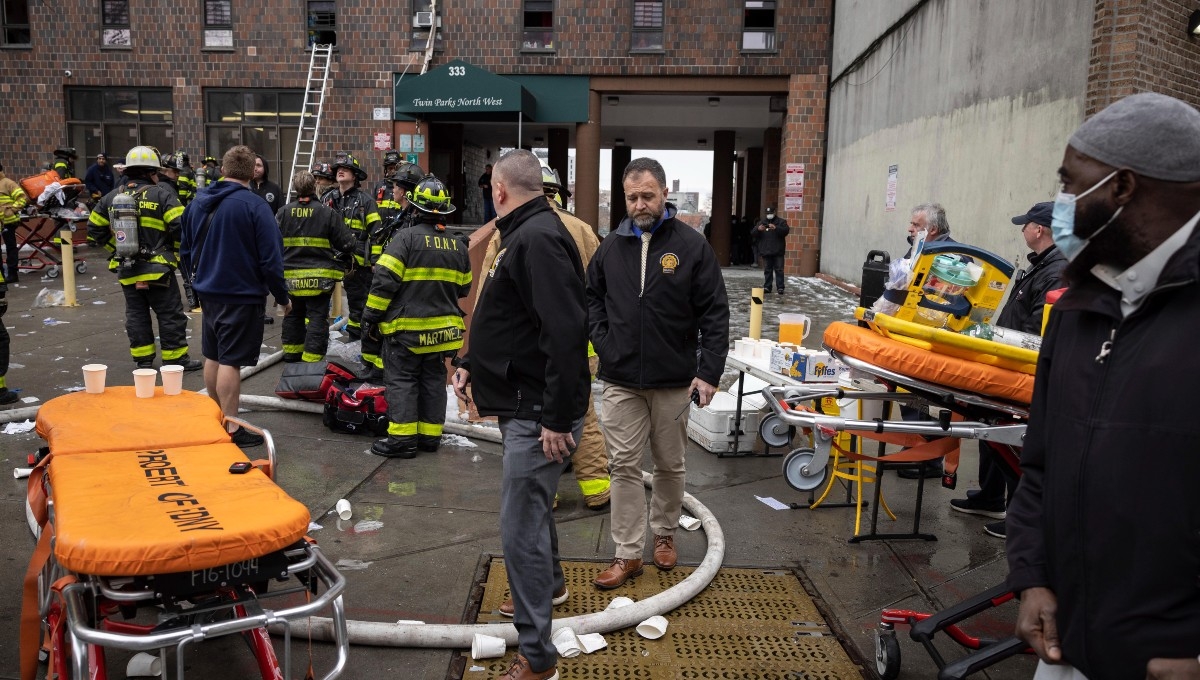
(619, 601)
(689, 523)
(143, 665)
(172, 378)
(93, 378)
(486, 647)
(567, 643)
(343, 509)
(653, 628)
(144, 380)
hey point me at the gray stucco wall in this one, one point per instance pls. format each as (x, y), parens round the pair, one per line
(974, 101)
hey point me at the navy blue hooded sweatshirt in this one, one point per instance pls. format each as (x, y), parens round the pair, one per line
(241, 257)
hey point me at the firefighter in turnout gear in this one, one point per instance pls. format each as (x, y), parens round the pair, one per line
(388, 206)
(323, 174)
(171, 176)
(7, 396)
(590, 460)
(12, 201)
(64, 162)
(316, 247)
(413, 306)
(138, 223)
(361, 216)
(187, 177)
(404, 179)
(208, 174)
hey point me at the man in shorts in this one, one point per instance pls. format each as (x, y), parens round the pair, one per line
(233, 249)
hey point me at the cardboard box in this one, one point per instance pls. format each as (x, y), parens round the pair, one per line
(813, 366)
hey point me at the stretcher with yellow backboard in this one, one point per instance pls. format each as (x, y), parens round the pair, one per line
(981, 398)
(156, 532)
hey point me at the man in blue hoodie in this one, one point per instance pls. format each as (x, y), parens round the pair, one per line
(234, 251)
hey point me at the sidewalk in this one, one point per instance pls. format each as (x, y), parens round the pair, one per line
(422, 527)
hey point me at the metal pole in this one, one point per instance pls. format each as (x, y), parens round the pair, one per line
(68, 266)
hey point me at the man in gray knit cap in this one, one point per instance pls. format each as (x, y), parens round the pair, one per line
(1104, 528)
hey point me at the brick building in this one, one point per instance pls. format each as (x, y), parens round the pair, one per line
(743, 78)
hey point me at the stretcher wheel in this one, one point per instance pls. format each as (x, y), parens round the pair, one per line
(887, 654)
(795, 474)
(53, 271)
(774, 432)
(81, 267)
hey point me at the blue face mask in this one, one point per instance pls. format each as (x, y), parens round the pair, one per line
(1062, 223)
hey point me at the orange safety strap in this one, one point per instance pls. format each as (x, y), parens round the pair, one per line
(35, 491)
(53, 635)
(31, 624)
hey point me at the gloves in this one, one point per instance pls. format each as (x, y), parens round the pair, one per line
(369, 330)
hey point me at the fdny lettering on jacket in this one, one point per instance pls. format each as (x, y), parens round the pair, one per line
(302, 212)
(441, 242)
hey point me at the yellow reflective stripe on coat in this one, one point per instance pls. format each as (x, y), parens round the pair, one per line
(173, 214)
(302, 241)
(443, 347)
(437, 274)
(151, 223)
(429, 323)
(391, 264)
(98, 219)
(312, 274)
(376, 302)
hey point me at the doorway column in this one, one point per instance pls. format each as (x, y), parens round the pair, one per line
(587, 163)
(560, 144)
(739, 196)
(752, 191)
(621, 155)
(722, 197)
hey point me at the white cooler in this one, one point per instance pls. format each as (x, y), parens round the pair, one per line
(713, 427)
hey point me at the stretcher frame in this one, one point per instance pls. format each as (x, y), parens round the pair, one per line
(45, 249)
(995, 422)
(74, 608)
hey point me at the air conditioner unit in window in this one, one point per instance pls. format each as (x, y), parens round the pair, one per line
(423, 20)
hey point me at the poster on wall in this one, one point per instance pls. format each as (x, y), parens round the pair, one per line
(383, 141)
(405, 143)
(889, 204)
(793, 188)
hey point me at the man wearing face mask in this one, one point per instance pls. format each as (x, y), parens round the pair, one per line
(1103, 549)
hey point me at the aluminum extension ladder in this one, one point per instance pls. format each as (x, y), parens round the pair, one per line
(310, 113)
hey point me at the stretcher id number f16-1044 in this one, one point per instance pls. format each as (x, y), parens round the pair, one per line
(253, 570)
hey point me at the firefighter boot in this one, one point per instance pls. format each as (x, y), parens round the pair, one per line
(394, 447)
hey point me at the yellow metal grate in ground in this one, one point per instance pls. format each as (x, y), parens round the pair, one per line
(748, 624)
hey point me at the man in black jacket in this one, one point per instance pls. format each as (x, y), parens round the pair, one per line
(1022, 312)
(770, 233)
(659, 321)
(528, 365)
(1103, 543)
(263, 186)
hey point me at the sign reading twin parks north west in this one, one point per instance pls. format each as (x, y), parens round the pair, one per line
(460, 88)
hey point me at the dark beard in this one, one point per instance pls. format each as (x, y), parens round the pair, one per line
(1121, 245)
(645, 222)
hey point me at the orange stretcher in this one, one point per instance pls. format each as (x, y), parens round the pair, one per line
(147, 504)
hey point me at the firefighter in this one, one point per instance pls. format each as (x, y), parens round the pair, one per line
(144, 240)
(361, 216)
(170, 176)
(208, 174)
(388, 206)
(590, 460)
(413, 306)
(316, 247)
(323, 174)
(7, 396)
(404, 179)
(187, 177)
(12, 201)
(64, 162)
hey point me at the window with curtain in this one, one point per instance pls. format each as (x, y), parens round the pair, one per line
(538, 25)
(114, 23)
(647, 30)
(758, 26)
(218, 23)
(15, 18)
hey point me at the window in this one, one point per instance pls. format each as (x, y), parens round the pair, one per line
(16, 22)
(115, 120)
(421, 22)
(218, 24)
(267, 121)
(114, 23)
(322, 22)
(647, 25)
(539, 25)
(758, 32)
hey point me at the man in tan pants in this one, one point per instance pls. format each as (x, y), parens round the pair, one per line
(590, 460)
(659, 319)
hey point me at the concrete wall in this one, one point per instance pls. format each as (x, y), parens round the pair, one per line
(973, 101)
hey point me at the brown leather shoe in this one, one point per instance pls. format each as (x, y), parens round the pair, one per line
(620, 571)
(520, 670)
(664, 552)
(509, 609)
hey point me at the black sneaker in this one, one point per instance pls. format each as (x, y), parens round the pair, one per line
(7, 396)
(246, 439)
(995, 529)
(394, 448)
(972, 506)
(188, 364)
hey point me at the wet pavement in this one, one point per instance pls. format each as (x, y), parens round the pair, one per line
(421, 528)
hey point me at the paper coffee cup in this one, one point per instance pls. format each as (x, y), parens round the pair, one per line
(653, 627)
(143, 382)
(567, 644)
(93, 378)
(689, 523)
(486, 647)
(343, 509)
(619, 601)
(143, 665)
(172, 378)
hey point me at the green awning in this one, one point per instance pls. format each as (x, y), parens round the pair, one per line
(458, 91)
